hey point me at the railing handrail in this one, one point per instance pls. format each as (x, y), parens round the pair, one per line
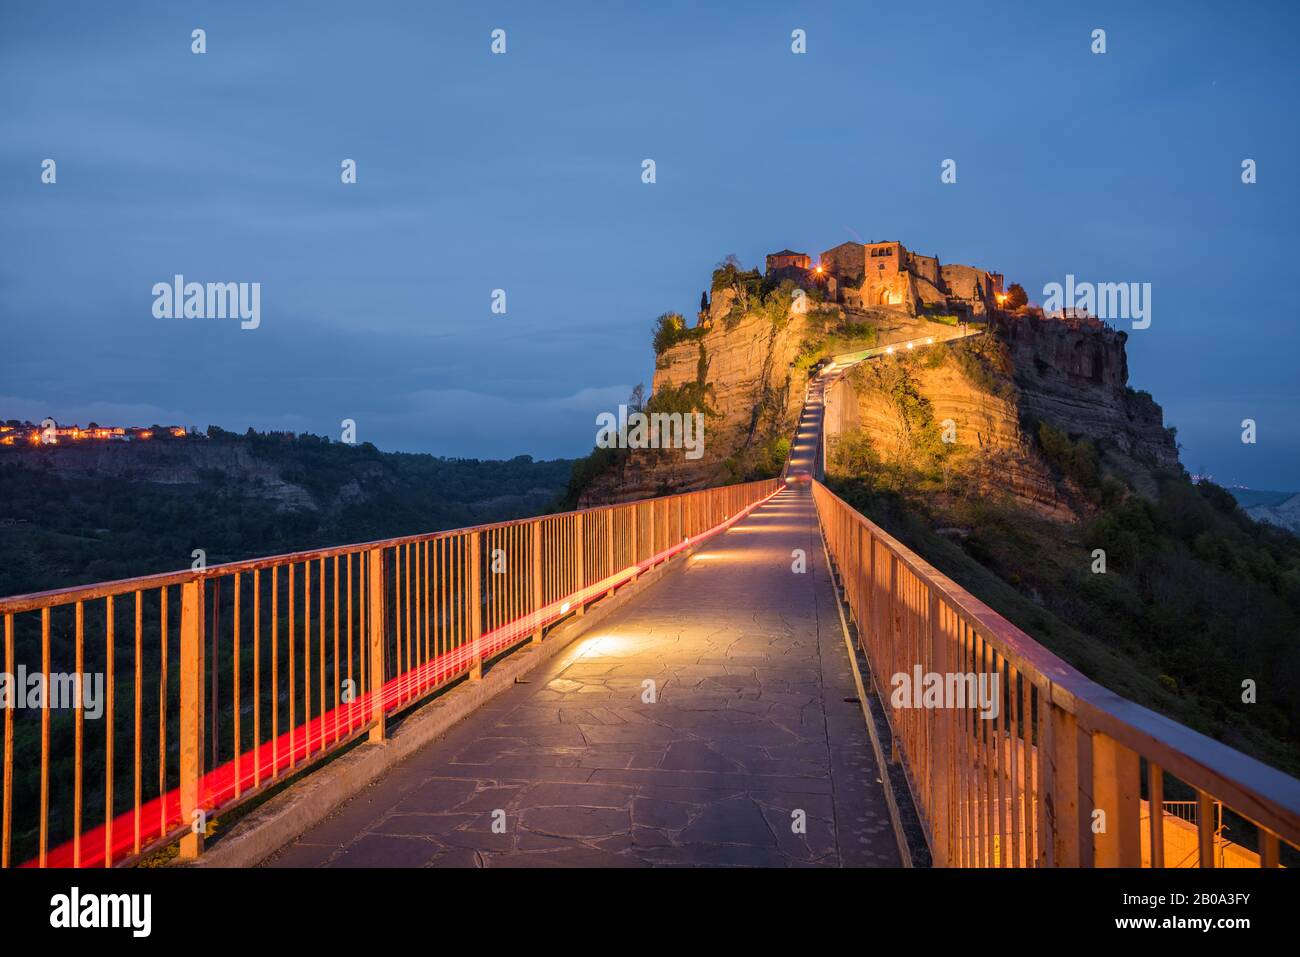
(1264, 794)
(30, 601)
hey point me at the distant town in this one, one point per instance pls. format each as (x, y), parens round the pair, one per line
(48, 432)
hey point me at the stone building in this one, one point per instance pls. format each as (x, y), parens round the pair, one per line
(788, 264)
(787, 259)
(887, 274)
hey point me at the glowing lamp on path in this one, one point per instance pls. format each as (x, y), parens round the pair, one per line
(564, 608)
(889, 350)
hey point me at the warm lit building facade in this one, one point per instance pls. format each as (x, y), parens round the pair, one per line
(887, 274)
(29, 434)
(788, 259)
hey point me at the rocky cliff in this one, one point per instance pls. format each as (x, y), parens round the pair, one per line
(752, 393)
(988, 399)
(1075, 377)
(749, 364)
(751, 368)
(187, 462)
(288, 477)
(888, 412)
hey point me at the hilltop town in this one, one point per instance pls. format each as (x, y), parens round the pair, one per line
(883, 279)
(885, 274)
(15, 433)
(761, 335)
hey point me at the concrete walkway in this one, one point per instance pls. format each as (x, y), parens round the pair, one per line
(754, 726)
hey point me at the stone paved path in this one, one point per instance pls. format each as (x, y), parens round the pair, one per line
(750, 725)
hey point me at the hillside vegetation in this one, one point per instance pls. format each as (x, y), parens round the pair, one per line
(1195, 597)
(71, 516)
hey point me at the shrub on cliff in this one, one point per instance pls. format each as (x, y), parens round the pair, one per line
(670, 329)
(686, 398)
(1076, 460)
(986, 363)
(729, 275)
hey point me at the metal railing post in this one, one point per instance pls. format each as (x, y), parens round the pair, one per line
(1063, 800)
(651, 552)
(1156, 805)
(377, 606)
(191, 717)
(476, 605)
(1116, 793)
(609, 545)
(635, 509)
(940, 823)
(1206, 832)
(580, 558)
(537, 578)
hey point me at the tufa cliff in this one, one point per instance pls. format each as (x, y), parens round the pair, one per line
(1037, 409)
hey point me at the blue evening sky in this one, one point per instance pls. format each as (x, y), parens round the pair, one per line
(522, 172)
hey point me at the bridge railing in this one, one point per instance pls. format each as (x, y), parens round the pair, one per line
(202, 689)
(1038, 766)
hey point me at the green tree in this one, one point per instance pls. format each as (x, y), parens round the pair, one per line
(668, 331)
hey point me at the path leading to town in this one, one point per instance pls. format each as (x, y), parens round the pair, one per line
(714, 720)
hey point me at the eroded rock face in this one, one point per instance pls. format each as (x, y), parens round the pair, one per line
(748, 367)
(172, 463)
(1073, 377)
(993, 453)
(754, 391)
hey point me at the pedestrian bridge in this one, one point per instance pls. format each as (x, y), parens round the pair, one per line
(697, 679)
